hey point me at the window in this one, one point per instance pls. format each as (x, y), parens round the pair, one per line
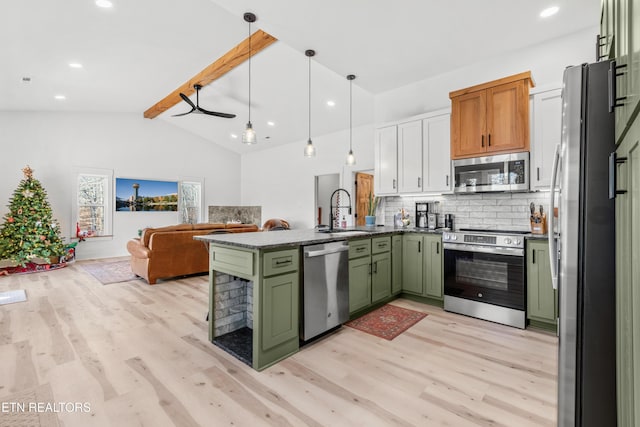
(190, 201)
(92, 209)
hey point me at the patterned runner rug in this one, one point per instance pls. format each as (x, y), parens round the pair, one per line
(387, 322)
(110, 272)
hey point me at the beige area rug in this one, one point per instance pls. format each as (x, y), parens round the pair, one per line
(29, 408)
(110, 272)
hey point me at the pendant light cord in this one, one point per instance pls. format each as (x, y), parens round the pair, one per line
(350, 114)
(249, 72)
(309, 98)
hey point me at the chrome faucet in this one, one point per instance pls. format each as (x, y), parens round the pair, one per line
(334, 215)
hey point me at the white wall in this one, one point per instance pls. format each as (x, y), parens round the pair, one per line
(546, 62)
(282, 180)
(133, 147)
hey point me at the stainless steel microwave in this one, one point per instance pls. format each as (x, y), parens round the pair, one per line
(503, 172)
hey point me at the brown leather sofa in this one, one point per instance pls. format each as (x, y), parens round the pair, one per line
(171, 251)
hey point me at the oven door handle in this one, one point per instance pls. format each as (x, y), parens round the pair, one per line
(461, 247)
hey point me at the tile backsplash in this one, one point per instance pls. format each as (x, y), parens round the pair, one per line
(486, 210)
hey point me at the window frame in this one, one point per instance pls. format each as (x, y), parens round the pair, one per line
(108, 201)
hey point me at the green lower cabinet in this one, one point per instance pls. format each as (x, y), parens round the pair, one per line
(279, 320)
(422, 265)
(542, 299)
(396, 264)
(359, 283)
(433, 266)
(380, 276)
(412, 260)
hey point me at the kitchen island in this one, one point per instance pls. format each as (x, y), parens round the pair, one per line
(254, 289)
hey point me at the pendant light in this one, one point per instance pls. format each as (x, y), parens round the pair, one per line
(351, 159)
(249, 135)
(310, 150)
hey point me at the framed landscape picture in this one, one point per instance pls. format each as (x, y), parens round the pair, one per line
(142, 195)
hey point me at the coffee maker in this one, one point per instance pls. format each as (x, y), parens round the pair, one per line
(422, 210)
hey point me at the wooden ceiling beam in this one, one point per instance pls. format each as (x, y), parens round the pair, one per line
(236, 56)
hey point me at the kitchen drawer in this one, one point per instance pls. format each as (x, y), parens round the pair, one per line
(237, 262)
(280, 262)
(359, 248)
(380, 244)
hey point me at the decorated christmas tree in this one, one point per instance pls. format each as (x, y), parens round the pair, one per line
(29, 231)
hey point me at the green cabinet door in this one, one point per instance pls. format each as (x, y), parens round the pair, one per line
(359, 283)
(279, 311)
(433, 265)
(412, 263)
(396, 264)
(381, 276)
(627, 273)
(542, 299)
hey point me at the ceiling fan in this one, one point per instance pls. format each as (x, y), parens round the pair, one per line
(195, 108)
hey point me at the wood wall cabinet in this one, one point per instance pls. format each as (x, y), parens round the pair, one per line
(491, 117)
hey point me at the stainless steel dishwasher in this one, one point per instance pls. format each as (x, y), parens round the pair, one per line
(326, 287)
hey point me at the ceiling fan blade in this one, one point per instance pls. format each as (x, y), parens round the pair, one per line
(184, 114)
(187, 100)
(215, 113)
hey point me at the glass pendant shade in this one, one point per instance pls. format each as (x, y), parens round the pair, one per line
(249, 135)
(309, 150)
(351, 159)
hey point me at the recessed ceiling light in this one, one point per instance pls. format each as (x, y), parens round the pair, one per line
(60, 97)
(75, 65)
(549, 11)
(270, 123)
(104, 3)
(234, 136)
(331, 103)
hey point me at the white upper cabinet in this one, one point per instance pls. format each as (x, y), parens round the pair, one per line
(414, 156)
(436, 154)
(386, 161)
(410, 157)
(546, 132)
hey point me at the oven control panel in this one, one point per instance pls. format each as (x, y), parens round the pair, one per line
(485, 239)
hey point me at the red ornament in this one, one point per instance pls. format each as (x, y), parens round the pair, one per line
(43, 238)
(10, 219)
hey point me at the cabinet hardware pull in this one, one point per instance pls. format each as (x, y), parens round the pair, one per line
(418, 182)
(538, 173)
(283, 262)
(437, 247)
(483, 140)
(533, 257)
(394, 184)
(489, 140)
(599, 47)
(369, 268)
(613, 86)
(447, 180)
(614, 161)
(375, 267)
(419, 242)
(360, 249)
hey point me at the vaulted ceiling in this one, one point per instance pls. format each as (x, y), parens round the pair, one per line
(137, 52)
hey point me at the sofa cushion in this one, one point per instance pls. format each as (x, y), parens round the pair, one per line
(147, 232)
(208, 226)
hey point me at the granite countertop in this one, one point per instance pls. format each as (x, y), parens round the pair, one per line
(280, 238)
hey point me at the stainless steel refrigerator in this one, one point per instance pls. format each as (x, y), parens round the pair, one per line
(583, 255)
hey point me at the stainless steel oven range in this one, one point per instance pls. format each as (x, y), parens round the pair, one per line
(484, 275)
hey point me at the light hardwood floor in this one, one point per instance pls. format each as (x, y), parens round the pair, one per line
(138, 355)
